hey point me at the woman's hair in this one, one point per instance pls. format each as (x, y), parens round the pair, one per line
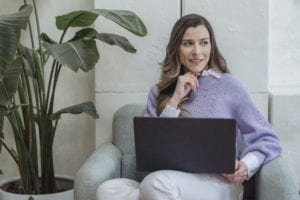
(171, 67)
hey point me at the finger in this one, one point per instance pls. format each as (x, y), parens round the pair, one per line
(238, 175)
(237, 179)
(234, 180)
(242, 169)
(195, 80)
(191, 82)
(182, 83)
(196, 74)
(189, 78)
(241, 172)
(236, 165)
(228, 176)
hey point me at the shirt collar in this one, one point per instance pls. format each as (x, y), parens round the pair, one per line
(215, 72)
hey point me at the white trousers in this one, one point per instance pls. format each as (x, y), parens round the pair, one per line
(171, 185)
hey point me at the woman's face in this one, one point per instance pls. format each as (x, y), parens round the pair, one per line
(195, 48)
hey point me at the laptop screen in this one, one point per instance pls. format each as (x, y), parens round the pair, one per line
(188, 144)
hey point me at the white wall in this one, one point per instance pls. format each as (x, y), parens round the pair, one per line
(75, 134)
(241, 29)
(284, 45)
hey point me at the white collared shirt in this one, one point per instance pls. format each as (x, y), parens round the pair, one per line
(212, 72)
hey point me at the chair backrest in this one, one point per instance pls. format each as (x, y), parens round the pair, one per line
(123, 136)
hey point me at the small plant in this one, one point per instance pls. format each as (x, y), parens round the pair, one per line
(27, 100)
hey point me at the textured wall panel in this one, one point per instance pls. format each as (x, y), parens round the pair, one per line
(241, 29)
(262, 102)
(120, 71)
(107, 104)
(284, 43)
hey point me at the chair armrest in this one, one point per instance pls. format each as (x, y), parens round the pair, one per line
(276, 180)
(103, 164)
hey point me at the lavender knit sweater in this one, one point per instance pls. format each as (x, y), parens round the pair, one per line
(226, 97)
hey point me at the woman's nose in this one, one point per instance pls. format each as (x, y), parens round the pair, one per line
(197, 49)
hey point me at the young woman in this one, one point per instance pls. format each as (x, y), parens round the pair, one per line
(195, 82)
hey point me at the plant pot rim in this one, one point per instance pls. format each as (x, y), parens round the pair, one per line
(12, 179)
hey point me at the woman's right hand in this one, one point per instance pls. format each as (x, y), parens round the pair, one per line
(185, 84)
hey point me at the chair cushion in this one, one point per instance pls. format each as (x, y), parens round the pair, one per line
(128, 169)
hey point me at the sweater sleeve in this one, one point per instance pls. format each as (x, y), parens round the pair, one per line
(260, 139)
(152, 102)
(152, 105)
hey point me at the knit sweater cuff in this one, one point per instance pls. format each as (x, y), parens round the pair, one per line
(169, 111)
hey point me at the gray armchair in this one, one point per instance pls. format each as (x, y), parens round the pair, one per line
(274, 181)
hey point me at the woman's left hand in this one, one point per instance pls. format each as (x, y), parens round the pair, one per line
(240, 174)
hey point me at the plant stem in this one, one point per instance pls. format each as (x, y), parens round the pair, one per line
(56, 76)
(49, 84)
(30, 30)
(10, 152)
(21, 149)
(38, 30)
(30, 132)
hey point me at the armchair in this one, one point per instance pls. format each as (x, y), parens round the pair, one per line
(274, 181)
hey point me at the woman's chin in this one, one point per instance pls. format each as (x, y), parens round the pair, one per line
(197, 71)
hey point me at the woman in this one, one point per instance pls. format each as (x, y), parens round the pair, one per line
(195, 83)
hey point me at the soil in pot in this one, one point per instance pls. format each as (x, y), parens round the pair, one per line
(16, 188)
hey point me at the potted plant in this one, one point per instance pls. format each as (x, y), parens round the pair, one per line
(27, 99)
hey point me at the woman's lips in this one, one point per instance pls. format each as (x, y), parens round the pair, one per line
(196, 61)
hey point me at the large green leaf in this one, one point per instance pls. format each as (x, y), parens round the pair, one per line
(111, 39)
(10, 26)
(81, 54)
(17, 20)
(126, 19)
(85, 33)
(114, 39)
(45, 38)
(80, 18)
(2, 110)
(9, 81)
(87, 107)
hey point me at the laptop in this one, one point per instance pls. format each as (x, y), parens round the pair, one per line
(193, 145)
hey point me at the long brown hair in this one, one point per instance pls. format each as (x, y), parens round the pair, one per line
(171, 67)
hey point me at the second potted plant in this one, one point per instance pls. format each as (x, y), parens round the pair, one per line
(27, 100)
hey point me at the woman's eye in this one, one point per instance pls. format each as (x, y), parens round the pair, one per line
(187, 44)
(204, 43)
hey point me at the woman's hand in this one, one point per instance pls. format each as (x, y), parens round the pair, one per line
(185, 84)
(240, 174)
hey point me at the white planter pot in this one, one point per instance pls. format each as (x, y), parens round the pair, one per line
(67, 195)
